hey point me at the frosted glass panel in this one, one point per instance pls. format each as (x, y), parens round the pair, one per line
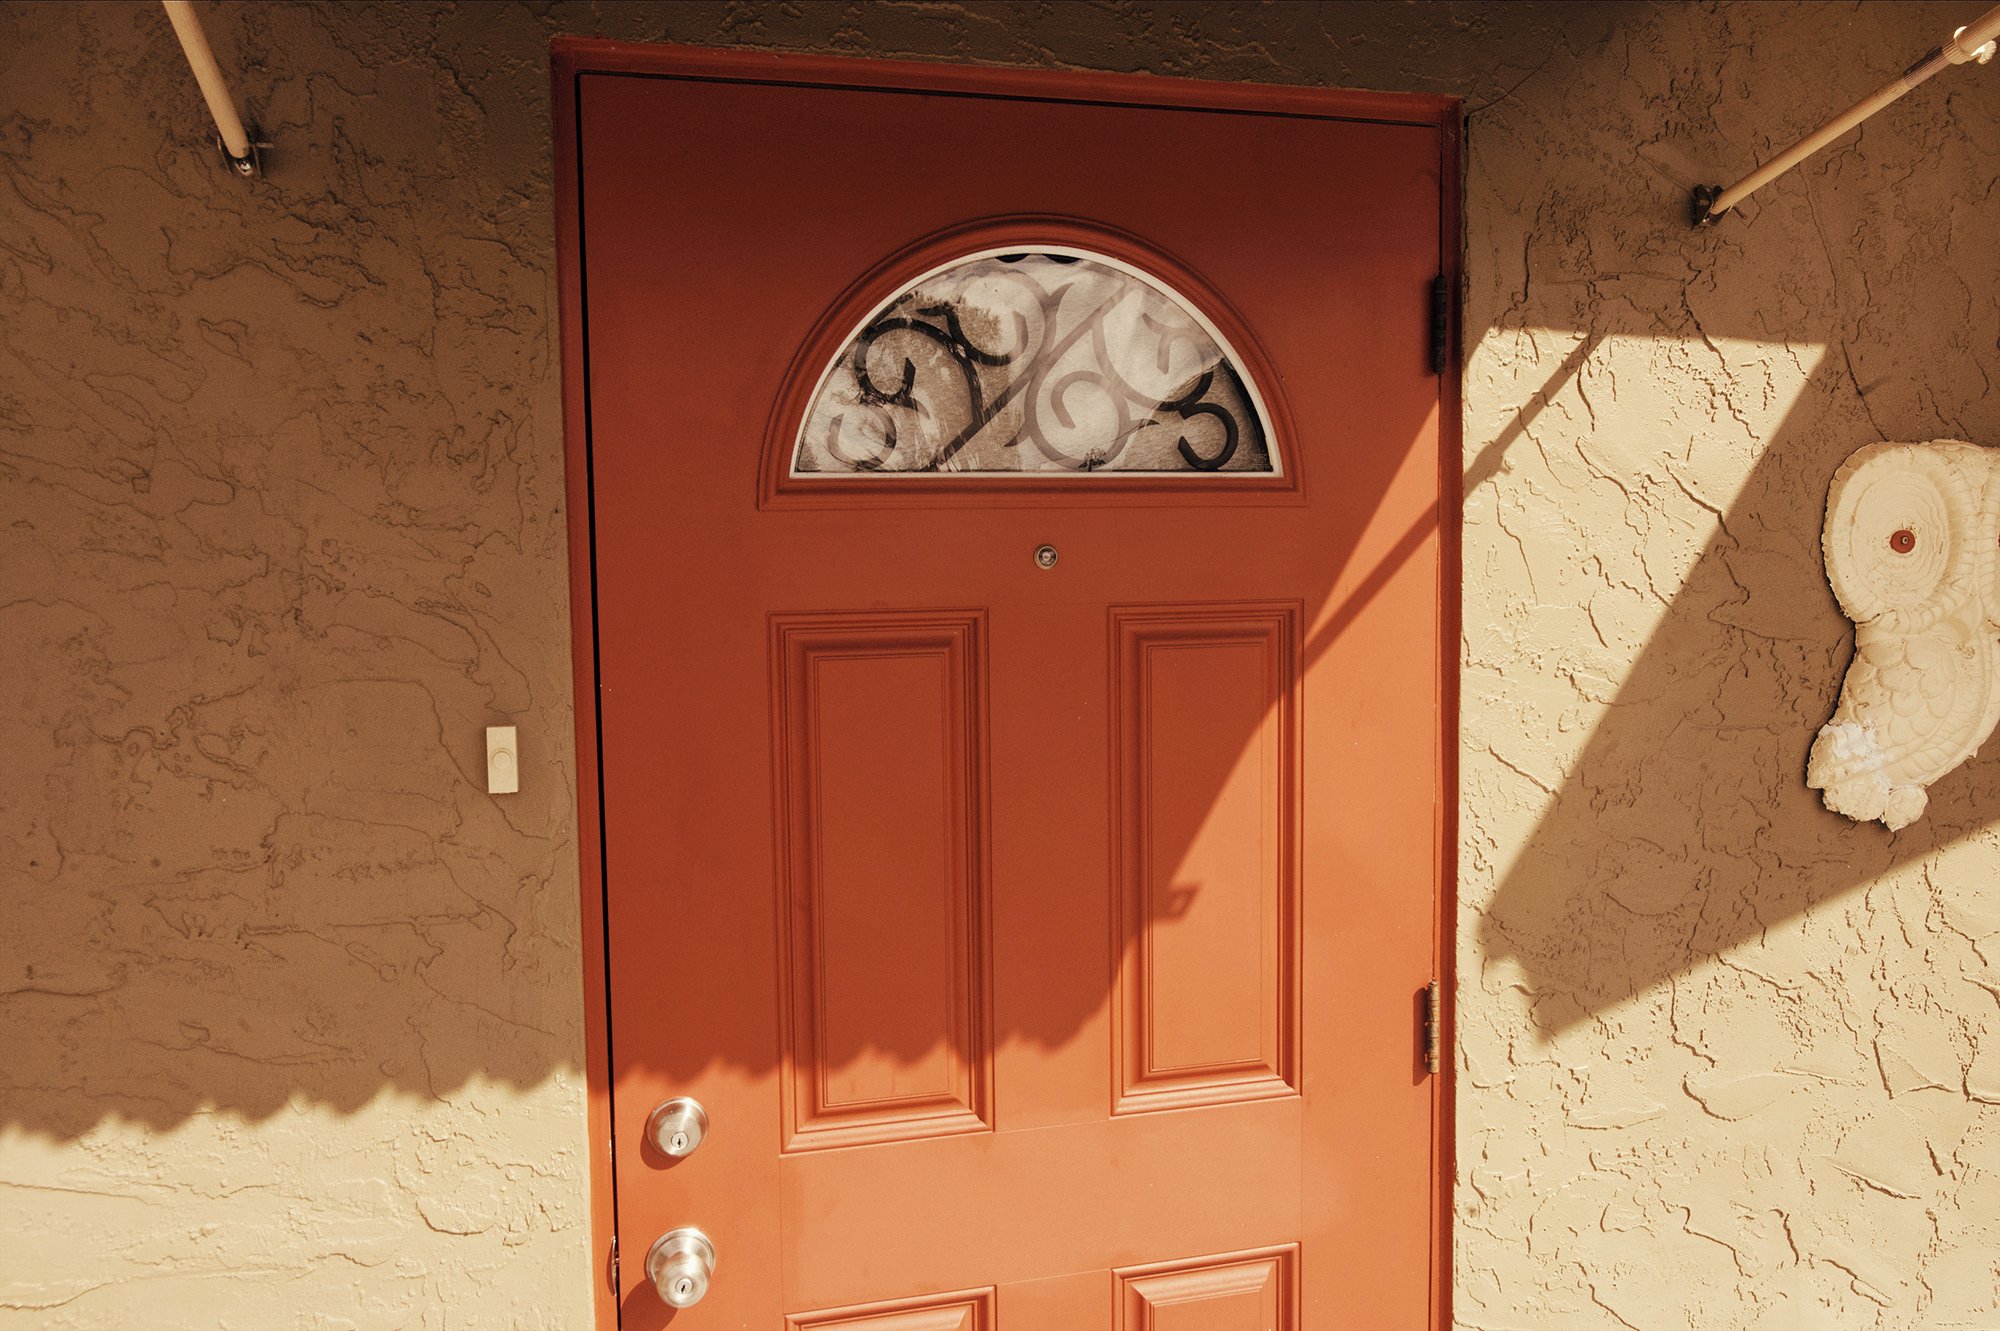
(1049, 362)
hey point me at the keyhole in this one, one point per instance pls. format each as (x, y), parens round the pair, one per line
(679, 1143)
(683, 1286)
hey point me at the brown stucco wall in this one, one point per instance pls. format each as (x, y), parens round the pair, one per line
(291, 1009)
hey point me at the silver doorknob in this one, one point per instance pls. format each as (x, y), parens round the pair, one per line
(677, 1126)
(679, 1265)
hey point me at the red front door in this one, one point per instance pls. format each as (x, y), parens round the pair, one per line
(1015, 528)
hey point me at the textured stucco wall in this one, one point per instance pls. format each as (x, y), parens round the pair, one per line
(291, 1010)
(1727, 1059)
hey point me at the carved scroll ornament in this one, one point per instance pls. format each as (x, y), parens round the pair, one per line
(1910, 544)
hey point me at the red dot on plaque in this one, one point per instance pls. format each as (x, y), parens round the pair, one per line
(1903, 541)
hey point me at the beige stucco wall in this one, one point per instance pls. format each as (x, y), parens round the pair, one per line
(291, 1011)
(1727, 1059)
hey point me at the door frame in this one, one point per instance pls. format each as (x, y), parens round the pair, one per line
(573, 57)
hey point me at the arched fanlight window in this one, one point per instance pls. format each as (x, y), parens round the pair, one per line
(1049, 361)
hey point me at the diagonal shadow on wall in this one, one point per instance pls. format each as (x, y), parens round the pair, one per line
(1680, 828)
(1683, 827)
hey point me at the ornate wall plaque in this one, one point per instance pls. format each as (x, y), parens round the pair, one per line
(1910, 544)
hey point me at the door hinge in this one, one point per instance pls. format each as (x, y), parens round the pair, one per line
(1433, 1026)
(1440, 324)
(615, 1286)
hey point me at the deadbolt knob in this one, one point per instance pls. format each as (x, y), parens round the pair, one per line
(679, 1264)
(677, 1126)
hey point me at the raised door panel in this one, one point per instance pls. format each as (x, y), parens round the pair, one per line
(968, 1311)
(1206, 797)
(1255, 1291)
(878, 724)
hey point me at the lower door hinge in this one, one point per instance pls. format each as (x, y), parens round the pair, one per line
(1440, 324)
(1433, 1026)
(615, 1287)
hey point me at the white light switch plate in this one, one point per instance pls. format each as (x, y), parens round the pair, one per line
(503, 761)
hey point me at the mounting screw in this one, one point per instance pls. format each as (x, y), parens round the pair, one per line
(1701, 204)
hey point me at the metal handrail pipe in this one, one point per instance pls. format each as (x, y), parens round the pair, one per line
(1974, 41)
(214, 88)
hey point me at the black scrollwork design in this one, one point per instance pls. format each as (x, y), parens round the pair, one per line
(1093, 368)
